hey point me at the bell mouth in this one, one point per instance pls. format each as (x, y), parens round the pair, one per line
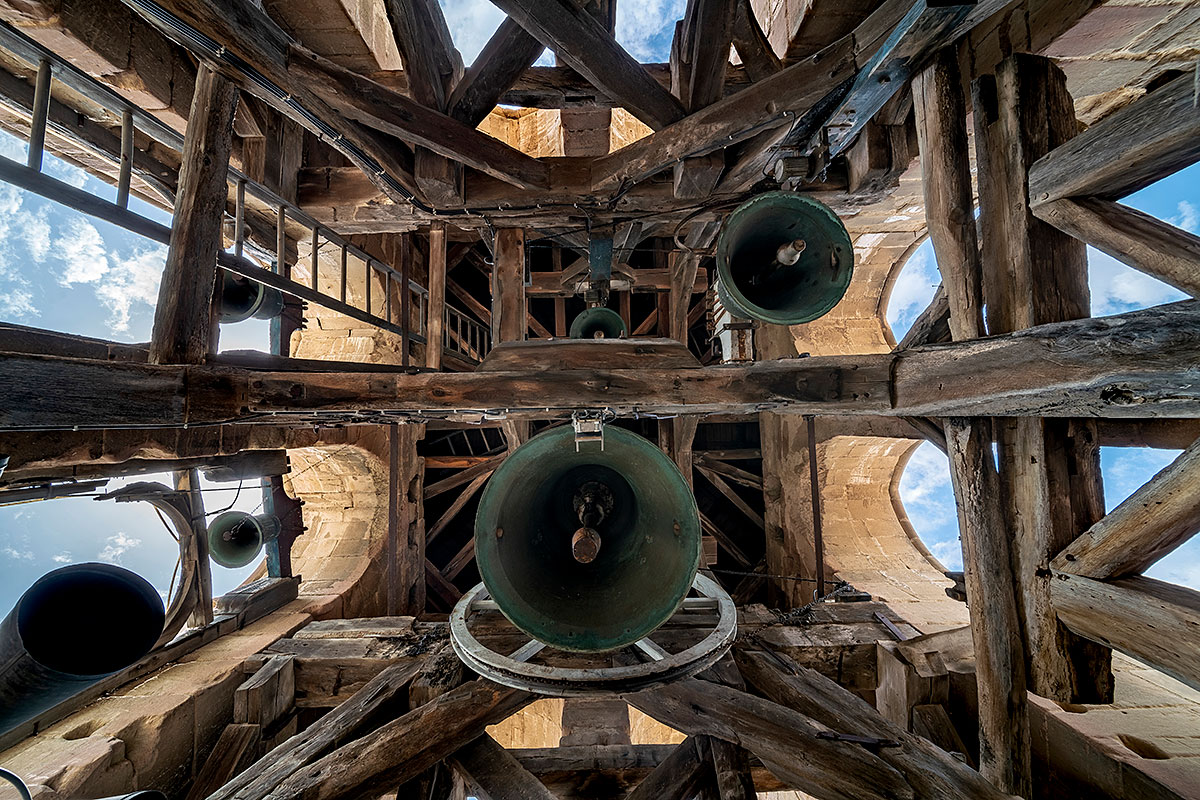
(764, 274)
(89, 620)
(638, 572)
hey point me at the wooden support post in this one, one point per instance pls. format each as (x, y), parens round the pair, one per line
(185, 317)
(676, 777)
(495, 773)
(436, 314)
(406, 522)
(560, 304)
(1049, 470)
(189, 481)
(995, 626)
(509, 319)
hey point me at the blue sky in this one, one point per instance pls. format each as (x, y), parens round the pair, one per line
(925, 486)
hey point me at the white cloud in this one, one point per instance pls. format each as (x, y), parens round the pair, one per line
(67, 173)
(1117, 288)
(22, 555)
(82, 251)
(644, 26)
(62, 558)
(1188, 217)
(132, 280)
(17, 303)
(34, 230)
(116, 546)
(12, 148)
(949, 553)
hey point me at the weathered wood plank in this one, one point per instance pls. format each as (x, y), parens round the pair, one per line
(1147, 140)
(267, 695)
(585, 44)
(930, 771)
(334, 729)
(786, 740)
(229, 756)
(185, 318)
(1004, 757)
(1155, 622)
(404, 747)
(752, 45)
(504, 59)
(495, 773)
(509, 315)
(731, 767)
(1153, 521)
(1147, 244)
(675, 777)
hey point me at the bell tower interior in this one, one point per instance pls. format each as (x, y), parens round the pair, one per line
(517, 382)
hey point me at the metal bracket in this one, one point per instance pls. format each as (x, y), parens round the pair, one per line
(589, 427)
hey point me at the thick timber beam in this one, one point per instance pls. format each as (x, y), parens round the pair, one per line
(930, 771)
(1157, 623)
(503, 60)
(1144, 364)
(1149, 139)
(676, 778)
(1147, 244)
(405, 747)
(436, 320)
(1152, 522)
(185, 318)
(495, 773)
(1049, 470)
(509, 316)
(585, 44)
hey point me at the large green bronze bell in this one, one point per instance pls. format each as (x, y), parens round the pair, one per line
(587, 549)
(783, 258)
(598, 323)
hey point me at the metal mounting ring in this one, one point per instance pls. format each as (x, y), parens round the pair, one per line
(514, 671)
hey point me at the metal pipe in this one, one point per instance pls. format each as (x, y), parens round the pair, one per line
(125, 176)
(41, 109)
(814, 483)
(73, 627)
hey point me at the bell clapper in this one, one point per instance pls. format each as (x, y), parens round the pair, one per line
(786, 256)
(593, 503)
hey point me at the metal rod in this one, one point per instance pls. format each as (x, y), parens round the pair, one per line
(343, 276)
(41, 109)
(126, 174)
(405, 296)
(315, 260)
(280, 238)
(239, 218)
(815, 484)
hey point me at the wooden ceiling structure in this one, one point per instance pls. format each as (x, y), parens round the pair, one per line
(344, 154)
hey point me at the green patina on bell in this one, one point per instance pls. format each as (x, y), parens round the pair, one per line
(598, 323)
(783, 258)
(590, 550)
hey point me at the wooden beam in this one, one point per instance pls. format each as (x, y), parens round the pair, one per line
(185, 318)
(509, 315)
(495, 774)
(1147, 140)
(1143, 363)
(247, 31)
(726, 490)
(731, 767)
(550, 284)
(435, 319)
(332, 731)
(787, 741)
(376, 106)
(585, 44)
(503, 60)
(930, 771)
(932, 325)
(486, 467)
(752, 45)
(431, 64)
(949, 201)
(404, 747)
(231, 754)
(463, 498)
(1139, 240)
(406, 574)
(775, 100)
(1157, 518)
(995, 625)
(1149, 620)
(676, 777)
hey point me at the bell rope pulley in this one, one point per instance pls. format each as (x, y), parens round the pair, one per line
(236, 538)
(598, 323)
(242, 298)
(784, 259)
(71, 628)
(589, 548)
